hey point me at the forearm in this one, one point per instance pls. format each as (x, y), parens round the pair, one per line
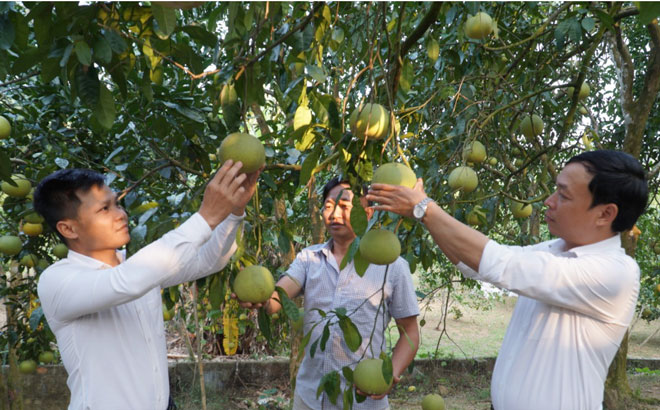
(404, 351)
(456, 240)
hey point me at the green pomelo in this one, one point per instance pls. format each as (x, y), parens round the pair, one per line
(60, 250)
(5, 128)
(245, 148)
(34, 218)
(22, 189)
(463, 178)
(380, 247)
(531, 126)
(373, 121)
(395, 173)
(584, 91)
(433, 402)
(46, 357)
(474, 152)
(520, 210)
(254, 284)
(29, 260)
(10, 245)
(228, 95)
(368, 377)
(479, 26)
(27, 366)
(433, 49)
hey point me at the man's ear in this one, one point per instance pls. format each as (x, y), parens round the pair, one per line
(607, 215)
(369, 211)
(67, 228)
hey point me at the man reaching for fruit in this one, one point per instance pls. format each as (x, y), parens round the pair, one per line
(315, 273)
(577, 294)
(105, 309)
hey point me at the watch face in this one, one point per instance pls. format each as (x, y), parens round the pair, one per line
(418, 212)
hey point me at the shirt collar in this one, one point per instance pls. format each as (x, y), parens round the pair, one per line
(612, 244)
(79, 258)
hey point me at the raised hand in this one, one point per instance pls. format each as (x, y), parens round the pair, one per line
(223, 193)
(250, 186)
(395, 198)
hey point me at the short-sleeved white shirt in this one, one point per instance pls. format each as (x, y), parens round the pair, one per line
(327, 288)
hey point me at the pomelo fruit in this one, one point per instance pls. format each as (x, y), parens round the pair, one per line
(380, 247)
(254, 284)
(245, 148)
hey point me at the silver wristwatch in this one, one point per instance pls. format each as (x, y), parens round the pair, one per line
(420, 209)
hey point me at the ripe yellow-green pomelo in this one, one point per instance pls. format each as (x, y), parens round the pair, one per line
(656, 248)
(479, 26)
(433, 402)
(46, 357)
(145, 206)
(476, 216)
(583, 110)
(228, 95)
(433, 49)
(23, 186)
(254, 284)
(168, 314)
(380, 247)
(520, 210)
(368, 377)
(245, 148)
(5, 128)
(42, 264)
(27, 366)
(463, 178)
(60, 250)
(395, 173)
(33, 229)
(373, 121)
(474, 152)
(34, 218)
(531, 126)
(10, 245)
(302, 117)
(29, 260)
(584, 91)
(242, 316)
(492, 161)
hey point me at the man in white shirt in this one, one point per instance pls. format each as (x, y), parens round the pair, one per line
(105, 309)
(577, 293)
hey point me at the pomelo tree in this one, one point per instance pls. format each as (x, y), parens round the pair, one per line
(147, 92)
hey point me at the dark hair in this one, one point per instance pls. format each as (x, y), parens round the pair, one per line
(338, 181)
(618, 178)
(55, 198)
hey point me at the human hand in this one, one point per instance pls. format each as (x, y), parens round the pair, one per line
(222, 192)
(395, 198)
(395, 380)
(250, 186)
(248, 305)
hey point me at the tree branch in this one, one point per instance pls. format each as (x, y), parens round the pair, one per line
(18, 80)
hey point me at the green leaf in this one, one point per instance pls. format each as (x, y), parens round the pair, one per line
(102, 50)
(5, 166)
(27, 60)
(317, 73)
(358, 217)
(105, 110)
(117, 44)
(7, 33)
(308, 166)
(289, 307)
(348, 398)
(186, 112)
(50, 67)
(407, 76)
(325, 336)
(201, 34)
(83, 52)
(347, 372)
(65, 56)
(88, 85)
(21, 29)
(35, 317)
(361, 264)
(351, 333)
(42, 27)
(648, 10)
(215, 291)
(264, 325)
(386, 367)
(165, 18)
(350, 254)
(308, 138)
(330, 384)
(588, 23)
(302, 117)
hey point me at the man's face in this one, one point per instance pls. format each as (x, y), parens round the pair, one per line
(101, 223)
(569, 214)
(337, 214)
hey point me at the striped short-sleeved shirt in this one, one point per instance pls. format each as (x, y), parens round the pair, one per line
(327, 288)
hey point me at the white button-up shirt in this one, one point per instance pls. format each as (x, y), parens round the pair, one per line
(327, 288)
(573, 311)
(108, 321)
